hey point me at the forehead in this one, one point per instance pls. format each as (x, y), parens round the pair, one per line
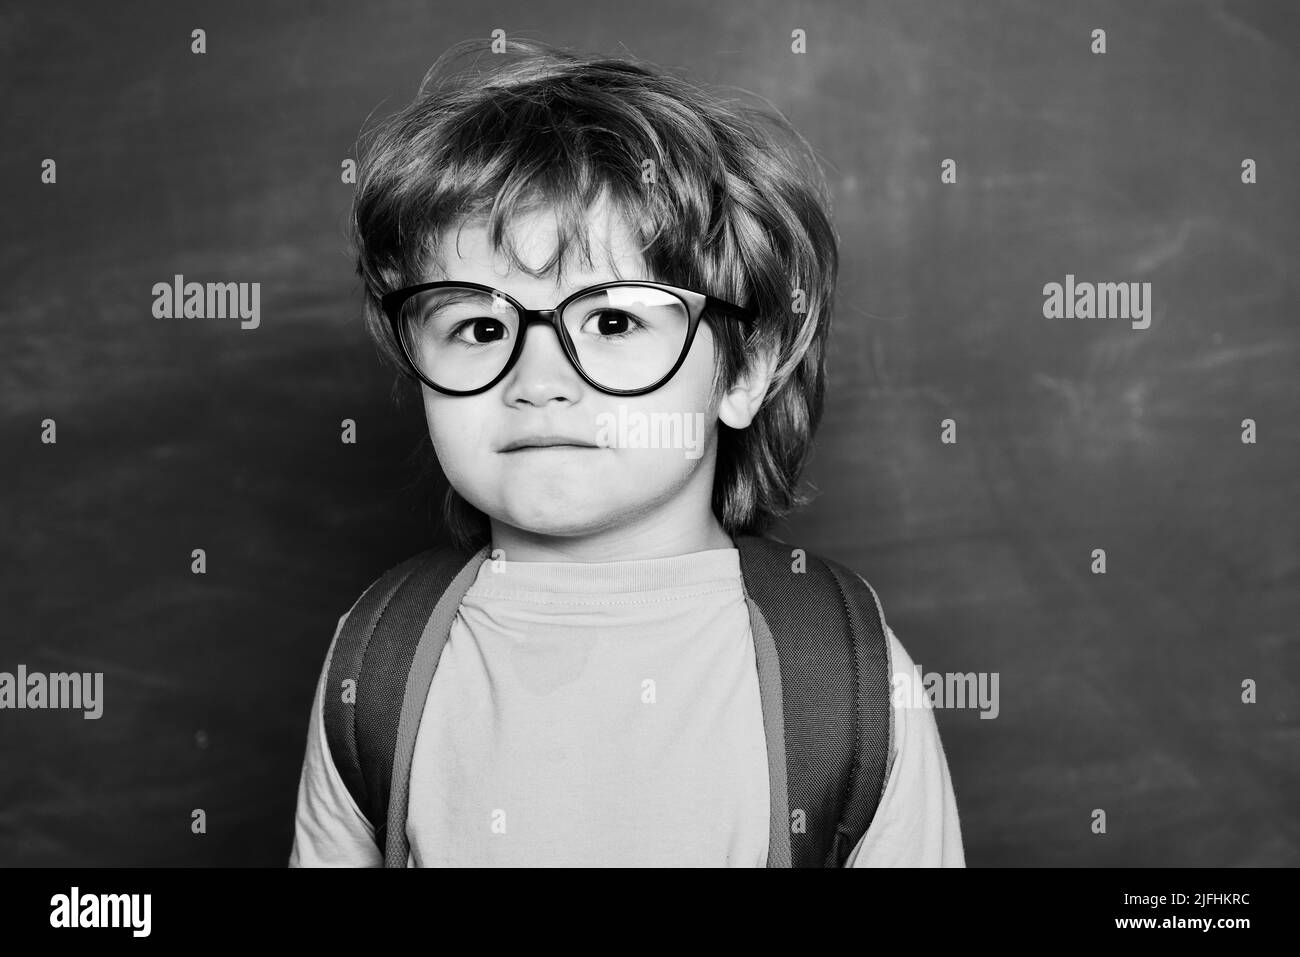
(465, 252)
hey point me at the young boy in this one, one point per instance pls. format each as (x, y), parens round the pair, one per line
(614, 564)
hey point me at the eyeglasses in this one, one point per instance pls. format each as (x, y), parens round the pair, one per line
(626, 337)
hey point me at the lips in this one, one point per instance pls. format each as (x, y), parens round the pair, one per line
(547, 442)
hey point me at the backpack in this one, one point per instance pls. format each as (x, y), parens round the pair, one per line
(823, 670)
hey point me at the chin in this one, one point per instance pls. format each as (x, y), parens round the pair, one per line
(558, 523)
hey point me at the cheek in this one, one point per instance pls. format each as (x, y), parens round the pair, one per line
(690, 400)
(692, 388)
(452, 429)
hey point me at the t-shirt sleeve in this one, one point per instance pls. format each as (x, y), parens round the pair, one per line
(329, 829)
(916, 821)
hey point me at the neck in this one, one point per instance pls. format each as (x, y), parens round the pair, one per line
(652, 535)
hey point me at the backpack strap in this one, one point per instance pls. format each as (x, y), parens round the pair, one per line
(362, 721)
(432, 639)
(824, 676)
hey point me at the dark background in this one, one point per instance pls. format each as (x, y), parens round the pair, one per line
(1119, 692)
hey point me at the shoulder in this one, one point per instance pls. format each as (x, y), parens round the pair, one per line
(764, 552)
(381, 591)
(767, 555)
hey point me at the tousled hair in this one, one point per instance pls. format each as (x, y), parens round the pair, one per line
(725, 197)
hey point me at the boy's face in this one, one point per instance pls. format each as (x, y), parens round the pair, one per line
(601, 492)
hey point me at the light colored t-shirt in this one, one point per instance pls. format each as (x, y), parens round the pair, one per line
(608, 714)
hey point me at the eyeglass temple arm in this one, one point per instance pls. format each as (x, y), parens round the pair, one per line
(740, 312)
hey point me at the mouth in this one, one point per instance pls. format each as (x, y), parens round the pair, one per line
(546, 443)
(551, 448)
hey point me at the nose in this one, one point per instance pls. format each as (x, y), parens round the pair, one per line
(543, 371)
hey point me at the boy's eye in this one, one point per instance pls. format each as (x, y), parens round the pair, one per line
(479, 331)
(611, 324)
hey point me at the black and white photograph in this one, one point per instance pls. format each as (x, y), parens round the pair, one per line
(850, 434)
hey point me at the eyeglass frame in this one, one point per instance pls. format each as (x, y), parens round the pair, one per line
(695, 302)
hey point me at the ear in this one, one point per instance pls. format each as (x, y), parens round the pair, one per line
(742, 401)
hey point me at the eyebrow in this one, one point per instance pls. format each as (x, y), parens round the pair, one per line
(560, 294)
